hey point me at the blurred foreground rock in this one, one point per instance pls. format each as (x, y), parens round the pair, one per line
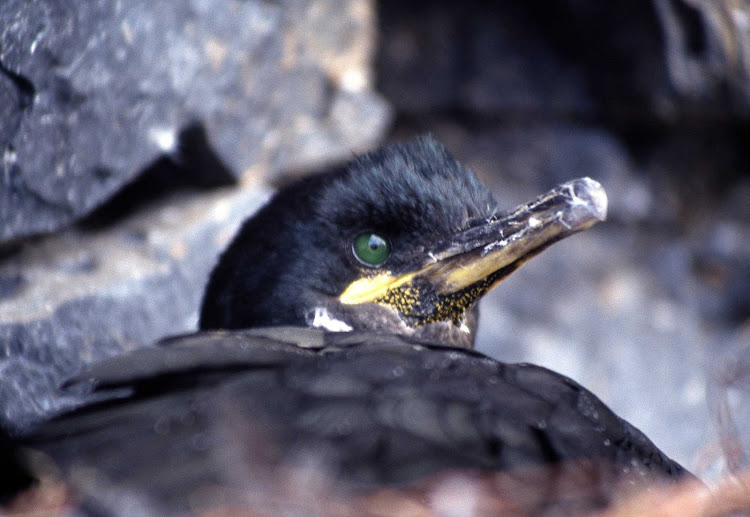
(92, 93)
(306, 492)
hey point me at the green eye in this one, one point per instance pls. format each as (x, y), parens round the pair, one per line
(371, 249)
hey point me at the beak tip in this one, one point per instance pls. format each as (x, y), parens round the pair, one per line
(590, 194)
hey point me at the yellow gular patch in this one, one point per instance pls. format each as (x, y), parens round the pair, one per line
(371, 289)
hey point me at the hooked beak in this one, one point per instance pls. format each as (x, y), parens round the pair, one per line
(461, 269)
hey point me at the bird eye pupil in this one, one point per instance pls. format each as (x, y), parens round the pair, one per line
(371, 249)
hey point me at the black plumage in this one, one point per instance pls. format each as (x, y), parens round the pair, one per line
(415, 193)
(395, 399)
(370, 409)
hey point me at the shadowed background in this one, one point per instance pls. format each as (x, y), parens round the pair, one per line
(135, 138)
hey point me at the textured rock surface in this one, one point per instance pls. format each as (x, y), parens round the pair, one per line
(91, 93)
(625, 59)
(85, 295)
(126, 104)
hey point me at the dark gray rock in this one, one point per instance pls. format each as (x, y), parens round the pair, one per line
(707, 53)
(136, 100)
(91, 93)
(730, 398)
(658, 60)
(510, 58)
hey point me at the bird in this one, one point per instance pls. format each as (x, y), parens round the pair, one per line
(335, 356)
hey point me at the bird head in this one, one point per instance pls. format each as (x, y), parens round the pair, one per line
(403, 240)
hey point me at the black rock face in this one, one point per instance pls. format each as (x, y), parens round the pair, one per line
(93, 92)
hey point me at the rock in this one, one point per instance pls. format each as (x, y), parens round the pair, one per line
(721, 263)
(516, 59)
(636, 60)
(92, 93)
(730, 397)
(85, 295)
(127, 113)
(707, 53)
